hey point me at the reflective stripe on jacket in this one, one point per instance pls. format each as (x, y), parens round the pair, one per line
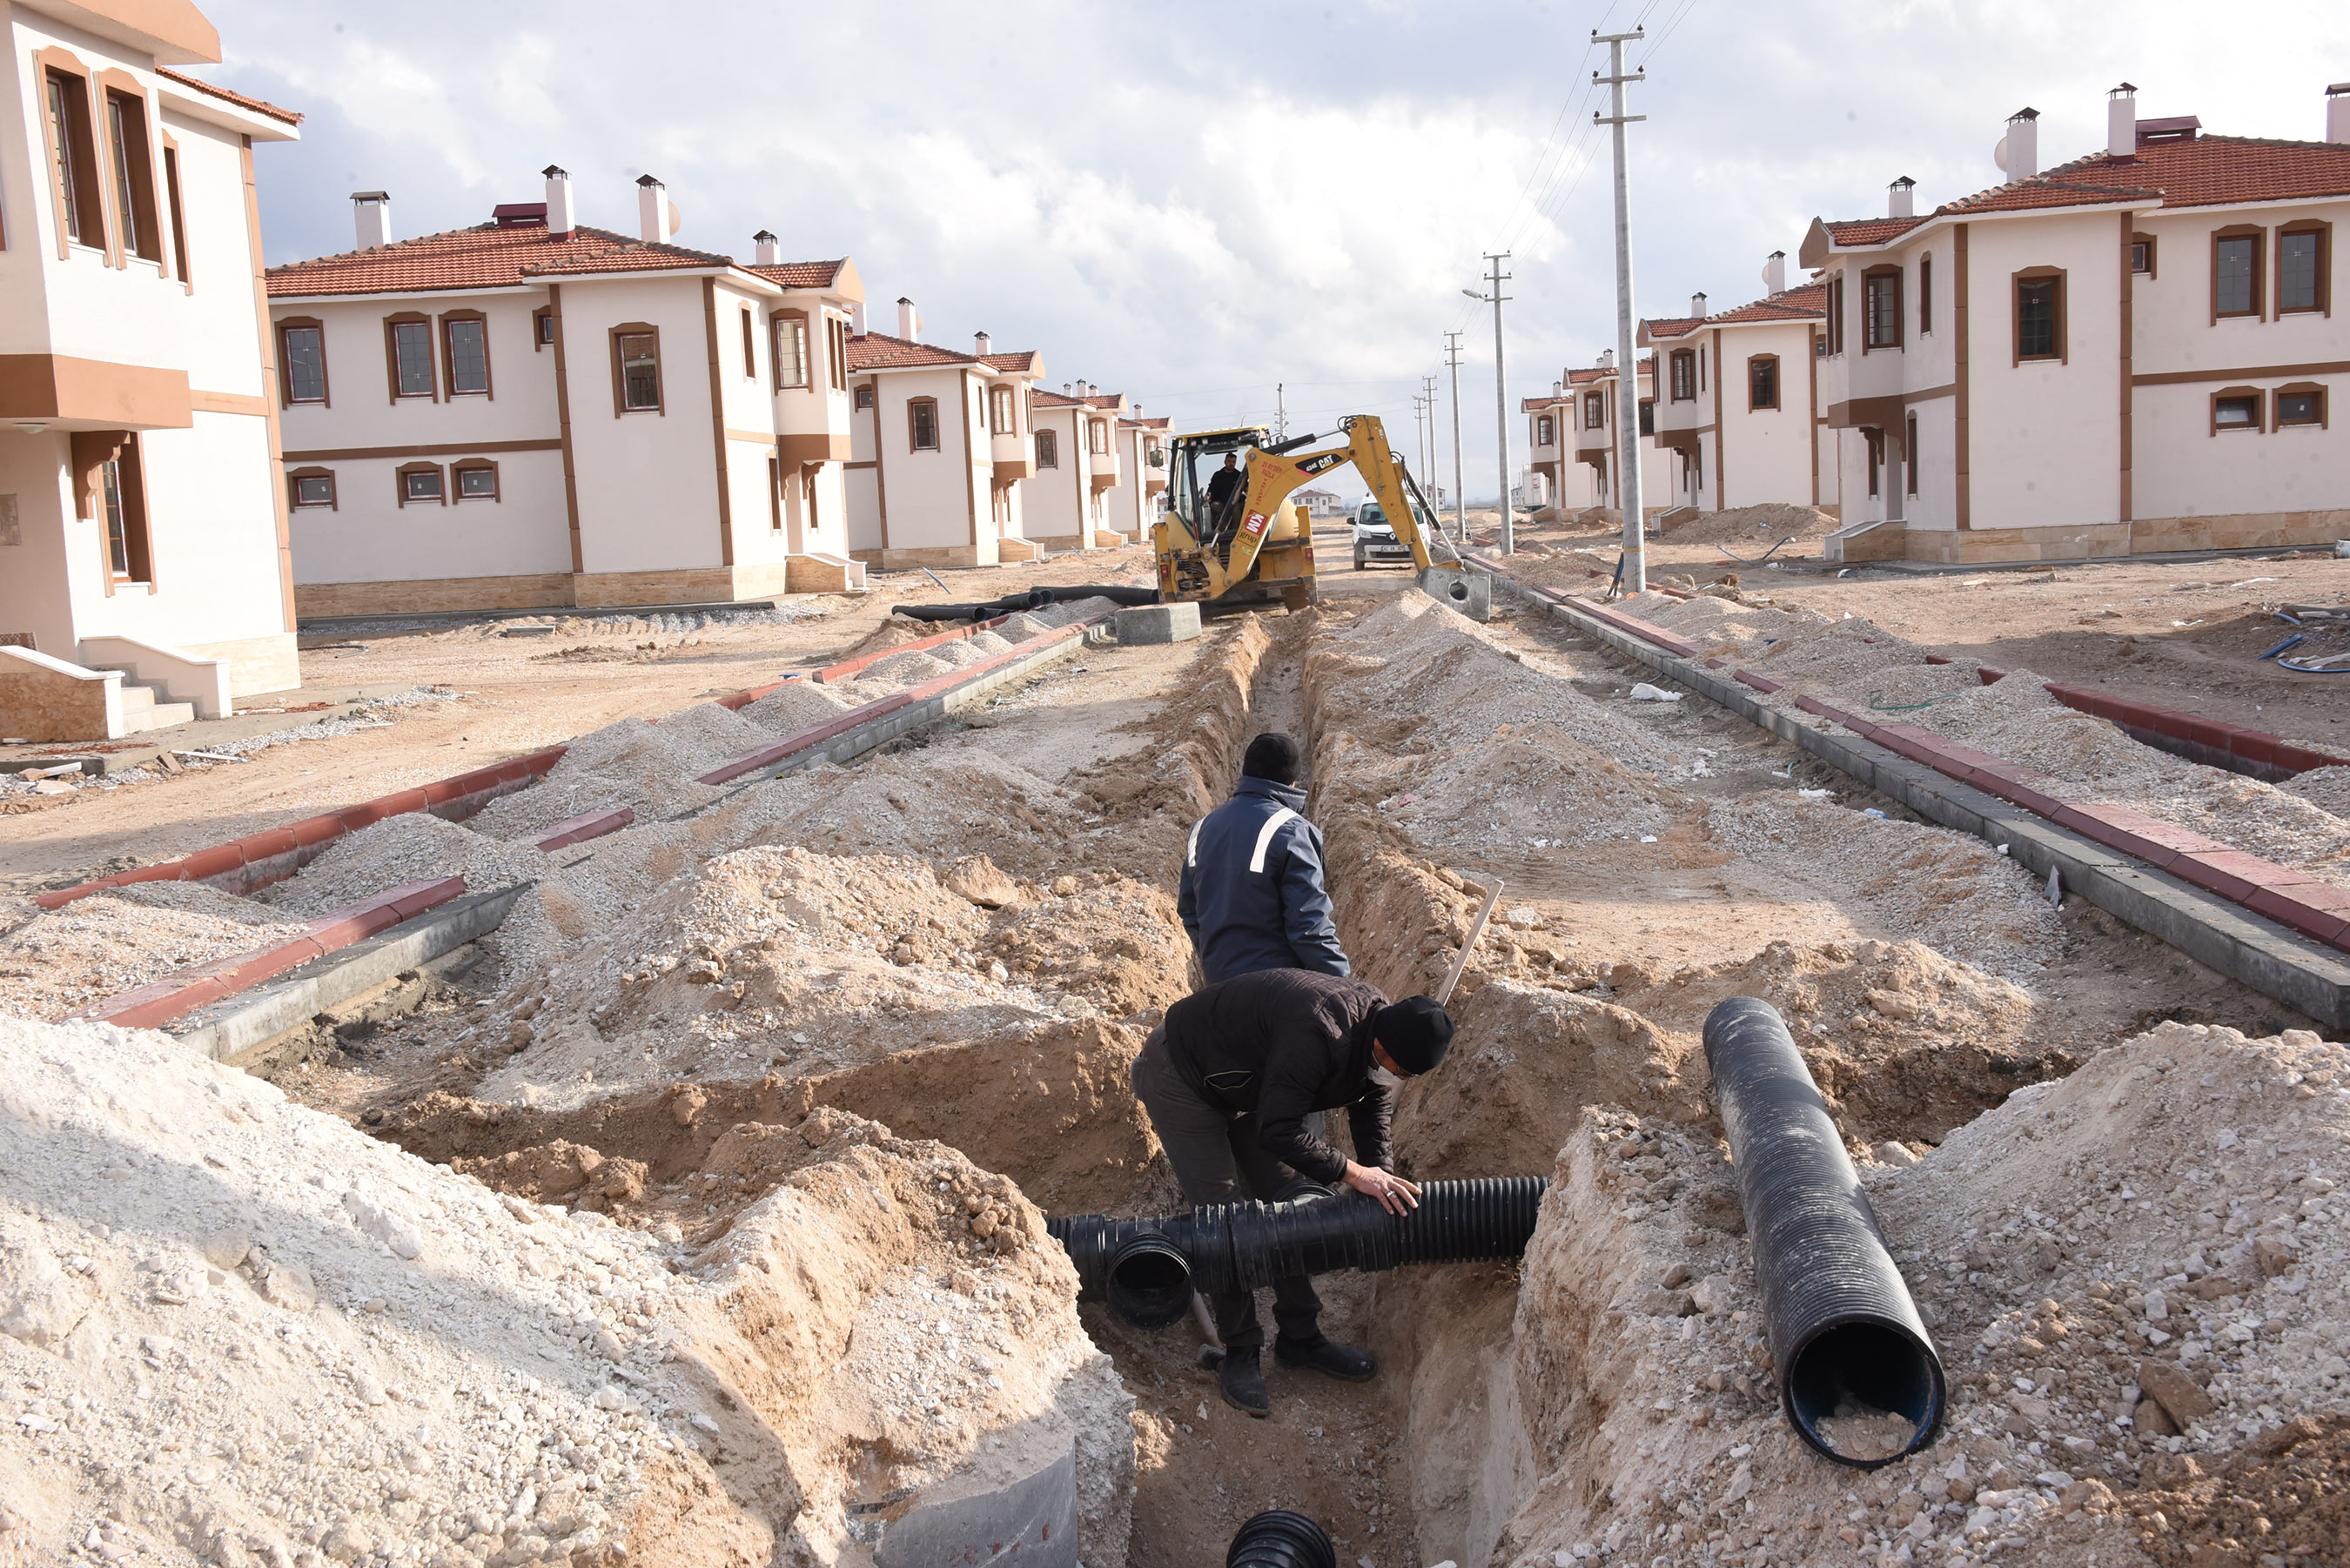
(1251, 894)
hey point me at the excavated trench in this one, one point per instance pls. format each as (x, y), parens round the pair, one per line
(965, 938)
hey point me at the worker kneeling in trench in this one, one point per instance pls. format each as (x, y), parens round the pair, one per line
(1228, 1080)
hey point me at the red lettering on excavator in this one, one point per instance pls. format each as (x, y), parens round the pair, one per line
(1255, 524)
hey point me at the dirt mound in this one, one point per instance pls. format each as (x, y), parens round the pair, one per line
(52, 961)
(2143, 1246)
(1765, 524)
(413, 848)
(798, 705)
(481, 1380)
(651, 767)
(941, 808)
(895, 632)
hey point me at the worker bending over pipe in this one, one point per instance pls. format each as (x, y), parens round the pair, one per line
(1228, 1080)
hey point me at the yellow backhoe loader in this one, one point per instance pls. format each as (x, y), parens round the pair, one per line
(1237, 542)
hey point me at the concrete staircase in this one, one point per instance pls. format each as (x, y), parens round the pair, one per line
(147, 706)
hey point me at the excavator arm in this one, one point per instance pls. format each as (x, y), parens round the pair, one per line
(1273, 476)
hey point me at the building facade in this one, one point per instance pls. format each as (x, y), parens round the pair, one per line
(1740, 410)
(1077, 465)
(1132, 507)
(1590, 429)
(532, 412)
(939, 450)
(144, 573)
(2130, 352)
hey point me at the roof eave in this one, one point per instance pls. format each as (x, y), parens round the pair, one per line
(194, 105)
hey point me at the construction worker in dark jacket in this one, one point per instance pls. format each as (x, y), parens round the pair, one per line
(1252, 894)
(1229, 1079)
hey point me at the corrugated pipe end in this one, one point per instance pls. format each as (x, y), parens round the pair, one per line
(1280, 1538)
(1150, 1281)
(1845, 1335)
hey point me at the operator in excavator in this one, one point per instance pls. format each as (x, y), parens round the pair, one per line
(1229, 1079)
(1224, 491)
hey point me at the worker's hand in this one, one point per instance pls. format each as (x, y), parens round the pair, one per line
(1396, 1195)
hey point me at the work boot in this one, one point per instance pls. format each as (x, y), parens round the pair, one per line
(1326, 1355)
(1243, 1382)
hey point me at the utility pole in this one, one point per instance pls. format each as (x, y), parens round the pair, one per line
(1428, 450)
(1460, 506)
(1280, 411)
(1500, 389)
(1628, 395)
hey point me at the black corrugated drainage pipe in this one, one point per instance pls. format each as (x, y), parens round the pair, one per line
(1280, 1538)
(1147, 1269)
(1844, 1333)
(1033, 599)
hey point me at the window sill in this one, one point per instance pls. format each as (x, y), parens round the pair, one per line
(650, 410)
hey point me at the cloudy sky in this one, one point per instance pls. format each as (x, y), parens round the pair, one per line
(1194, 202)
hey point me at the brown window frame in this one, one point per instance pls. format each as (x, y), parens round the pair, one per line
(456, 481)
(451, 318)
(774, 496)
(130, 163)
(542, 328)
(1873, 439)
(1595, 404)
(179, 212)
(1869, 280)
(1681, 366)
(1049, 449)
(294, 502)
(914, 428)
(837, 352)
(2253, 395)
(1835, 312)
(2324, 233)
(1545, 431)
(865, 396)
(392, 356)
(285, 329)
(95, 454)
(1909, 451)
(1097, 438)
(620, 405)
(1003, 412)
(1778, 382)
(2317, 389)
(2142, 248)
(2258, 280)
(750, 340)
(76, 191)
(792, 324)
(2062, 325)
(1925, 294)
(440, 481)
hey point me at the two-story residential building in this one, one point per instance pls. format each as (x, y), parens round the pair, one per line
(1076, 465)
(1594, 389)
(144, 563)
(1131, 507)
(939, 450)
(2133, 352)
(1740, 408)
(1562, 474)
(533, 412)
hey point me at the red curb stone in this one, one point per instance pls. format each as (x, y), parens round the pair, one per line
(2300, 910)
(206, 863)
(586, 826)
(1760, 683)
(1987, 676)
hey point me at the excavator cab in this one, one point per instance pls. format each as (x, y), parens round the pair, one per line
(1252, 545)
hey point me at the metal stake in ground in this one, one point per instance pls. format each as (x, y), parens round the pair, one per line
(1476, 930)
(1627, 368)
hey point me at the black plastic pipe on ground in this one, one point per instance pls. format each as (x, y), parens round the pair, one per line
(1035, 598)
(1844, 1333)
(1280, 1538)
(1149, 1269)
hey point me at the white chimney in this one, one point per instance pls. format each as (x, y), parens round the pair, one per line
(372, 215)
(1900, 198)
(1557, 388)
(1607, 358)
(1697, 306)
(909, 320)
(2121, 123)
(769, 250)
(2337, 112)
(982, 344)
(562, 218)
(2018, 154)
(857, 318)
(1775, 273)
(656, 218)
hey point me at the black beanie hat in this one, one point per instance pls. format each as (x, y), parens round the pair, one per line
(1272, 757)
(1416, 1032)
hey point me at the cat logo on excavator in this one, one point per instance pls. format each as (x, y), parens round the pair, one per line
(1230, 539)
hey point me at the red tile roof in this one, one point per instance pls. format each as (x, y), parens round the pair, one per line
(1584, 377)
(484, 257)
(2200, 172)
(1045, 400)
(1670, 326)
(1535, 405)
(1806, 301)
(1107, 401)
(1161, 423)
(1017, 364)
(879, 351)
(801, 275)
(258, 106)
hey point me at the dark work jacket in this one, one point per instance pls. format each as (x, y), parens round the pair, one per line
(1278, 1045)
(1251, 894)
